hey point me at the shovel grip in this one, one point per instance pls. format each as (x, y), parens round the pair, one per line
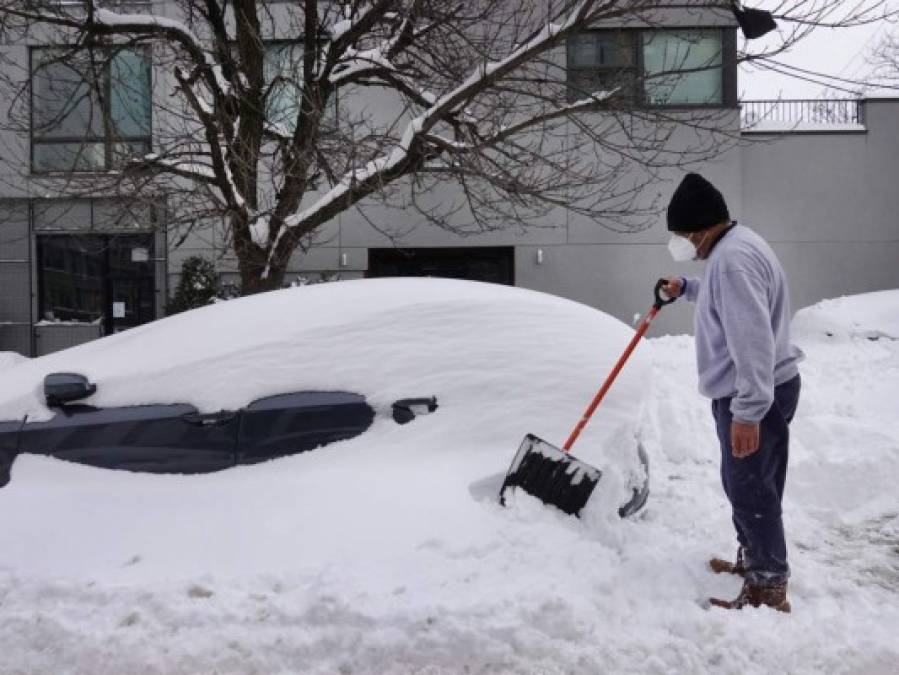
(660, 300)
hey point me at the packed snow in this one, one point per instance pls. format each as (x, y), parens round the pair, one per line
(10, 359)
(870, 315)
(388, 554)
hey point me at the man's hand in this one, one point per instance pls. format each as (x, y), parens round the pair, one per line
(673, 287)
(744, 439)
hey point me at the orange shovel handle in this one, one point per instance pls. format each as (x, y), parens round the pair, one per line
(641, 331)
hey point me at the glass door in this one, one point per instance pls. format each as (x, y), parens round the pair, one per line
(132, 297)
(86, 278)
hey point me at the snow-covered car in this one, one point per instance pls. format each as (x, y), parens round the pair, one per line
(337, 365)
(872, 316)
(176, 438)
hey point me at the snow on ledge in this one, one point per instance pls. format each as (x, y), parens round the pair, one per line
(778, 127)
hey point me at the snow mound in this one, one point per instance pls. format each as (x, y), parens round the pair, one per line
(10, 359)
(868, 315)
(491, 353)
(389, 555)
(501, 361)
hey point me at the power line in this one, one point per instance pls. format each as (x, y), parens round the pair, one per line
(861, 83)
(797, 76)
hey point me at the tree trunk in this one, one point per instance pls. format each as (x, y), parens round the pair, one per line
(252, 261)
(251, 280)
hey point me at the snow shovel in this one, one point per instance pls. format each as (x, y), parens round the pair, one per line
(553, 475)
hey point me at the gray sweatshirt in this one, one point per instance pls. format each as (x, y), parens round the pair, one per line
(742, 324)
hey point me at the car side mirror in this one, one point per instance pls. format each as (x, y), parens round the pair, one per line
(60, 388)
(406, 409)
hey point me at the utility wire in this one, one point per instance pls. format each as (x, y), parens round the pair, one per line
(861, 83)
(797, 76)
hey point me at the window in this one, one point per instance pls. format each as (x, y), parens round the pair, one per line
(71, 278)
(493, 264)
(602, 61)
(89, 278)
(683, 67)
(283, 70)
(89, 113)
(653, 67)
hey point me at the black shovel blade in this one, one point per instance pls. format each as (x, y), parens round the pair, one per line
(551, 475)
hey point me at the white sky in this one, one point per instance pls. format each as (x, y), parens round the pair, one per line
(843, 52)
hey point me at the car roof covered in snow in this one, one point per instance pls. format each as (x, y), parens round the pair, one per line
(482, 347)
(867, 315)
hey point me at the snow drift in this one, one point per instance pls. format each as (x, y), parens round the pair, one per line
(405, 564)
(869, 315)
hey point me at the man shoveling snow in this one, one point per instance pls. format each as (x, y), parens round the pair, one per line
(748, 367)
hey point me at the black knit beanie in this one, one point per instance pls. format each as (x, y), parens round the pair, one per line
(696, 205)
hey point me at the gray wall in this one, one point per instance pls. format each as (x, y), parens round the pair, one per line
(16, 254)
(583, 259)
(829, 204)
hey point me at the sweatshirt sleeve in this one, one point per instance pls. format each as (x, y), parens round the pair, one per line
(750, 342)
(691, 288)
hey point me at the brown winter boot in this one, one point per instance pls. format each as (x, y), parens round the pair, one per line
(720, 566)
(756, 596)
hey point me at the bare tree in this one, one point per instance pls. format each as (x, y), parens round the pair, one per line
(885, 61)
(246, 126)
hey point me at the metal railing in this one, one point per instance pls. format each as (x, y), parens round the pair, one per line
(831, 111)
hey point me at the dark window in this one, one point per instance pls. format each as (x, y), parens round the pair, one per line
(289, 423)
(492, 264)
(602, 61)
(92, 278)
(91, 110)
(684, 67)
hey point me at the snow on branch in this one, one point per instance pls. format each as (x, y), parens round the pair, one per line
(193, 170)
(360, 62)
(371, 169)
(440, 110)
(127, 21)
(148, 23)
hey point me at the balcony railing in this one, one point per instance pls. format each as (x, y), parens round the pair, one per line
(802, 113)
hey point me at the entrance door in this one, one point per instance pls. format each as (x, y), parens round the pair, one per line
(495, 264)
(106, 278)
(132, 299)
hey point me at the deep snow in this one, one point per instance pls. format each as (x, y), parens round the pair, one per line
(10, 359)
(408, 565)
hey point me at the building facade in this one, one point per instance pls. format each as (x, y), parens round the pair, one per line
(820, 188)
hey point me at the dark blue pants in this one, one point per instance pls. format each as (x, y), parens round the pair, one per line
(755, 485)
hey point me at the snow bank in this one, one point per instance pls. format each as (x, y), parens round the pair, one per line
(869, 315)
(10, 359)
(388, 554)
(502, 362)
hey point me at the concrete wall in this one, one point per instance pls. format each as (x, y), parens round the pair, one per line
(16, 277)
(829, 204)
(583, 259)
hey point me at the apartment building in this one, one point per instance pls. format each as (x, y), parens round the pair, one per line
(816, 179)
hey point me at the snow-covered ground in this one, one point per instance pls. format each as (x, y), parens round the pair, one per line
(449, 582)
(10, 359)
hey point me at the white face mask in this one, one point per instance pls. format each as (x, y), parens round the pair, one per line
(682, 249)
